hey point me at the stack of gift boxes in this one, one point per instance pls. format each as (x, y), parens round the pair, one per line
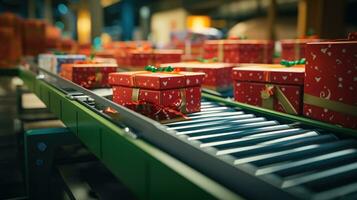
(239, 51)
(137, 59)
(10, 39)
(190, 42)
(319, 90)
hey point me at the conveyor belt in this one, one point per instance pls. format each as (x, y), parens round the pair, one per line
(302, 162)
(253, 155)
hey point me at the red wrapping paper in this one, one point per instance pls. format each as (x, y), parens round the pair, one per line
(331, 76)
(294, 49)
(251, 80)
(10, 39)
(157, 81)
(180, 91)
(218, 76)
(240, 51)
(88, 75)
(139, 59)
(169, 98)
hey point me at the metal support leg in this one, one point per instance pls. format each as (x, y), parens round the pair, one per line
(40, 146)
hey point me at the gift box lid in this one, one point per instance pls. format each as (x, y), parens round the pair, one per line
(84, 64)
(156, 80)
(270, 73)
(292, 42)
(200, 65)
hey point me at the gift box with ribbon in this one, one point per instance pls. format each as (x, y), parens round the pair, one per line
(218, 76)
(293, 49)
(88, 74)
(240, 51)
(177, 90)
(272, 86)
(139, 58)
(331, 82)
(53, 62)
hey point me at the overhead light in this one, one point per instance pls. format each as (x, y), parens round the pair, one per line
(63, 9)
(198, 22)
(84, 26)
(106, 3)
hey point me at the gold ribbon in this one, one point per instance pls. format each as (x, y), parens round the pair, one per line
(330, 104)
(268, 100)
(182, 107)
(265, 52)
(135, 94)
(183, 104)
(297, 50)
(220, 50)
(267, 76)
(188, 47)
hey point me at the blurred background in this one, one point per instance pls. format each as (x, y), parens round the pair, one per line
(97, 21)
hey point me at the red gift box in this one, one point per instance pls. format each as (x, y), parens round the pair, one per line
(294, 49)
(87, 74)
(331, 82)
(218, 76)
(139, 59)
(270, 86)
(10, 36)
(178, 90)
(240, 51)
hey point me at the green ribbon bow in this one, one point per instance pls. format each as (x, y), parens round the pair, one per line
(214, 59)
(151, 68)
(288, 63)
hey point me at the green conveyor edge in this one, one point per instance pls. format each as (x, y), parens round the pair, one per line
(146, 170)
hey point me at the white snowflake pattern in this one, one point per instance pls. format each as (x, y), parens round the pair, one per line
(340, 99)
(329, 53)
(351, 88)
(317, 79)
(296, 79)
(325, 110)
(145, 93)
(250, 74)
(343, 50)
(338, 61)
(188, 81)
(324, 50)
(340, 85)
(313, 56)
(284, 77)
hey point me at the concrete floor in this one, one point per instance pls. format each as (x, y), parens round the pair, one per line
(11, 180)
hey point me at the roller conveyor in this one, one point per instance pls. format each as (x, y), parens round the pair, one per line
(297, 160)
(253, 154)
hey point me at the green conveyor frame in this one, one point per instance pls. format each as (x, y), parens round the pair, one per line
(149, 172)
(146, 170)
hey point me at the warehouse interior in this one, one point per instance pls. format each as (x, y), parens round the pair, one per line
(178, 99)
